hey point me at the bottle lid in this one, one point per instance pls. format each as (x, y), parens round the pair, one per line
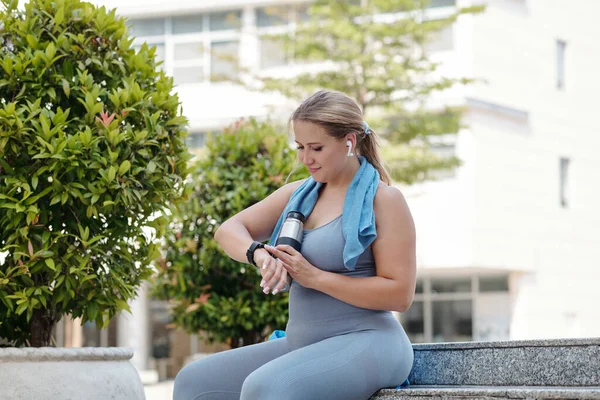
(297, 215)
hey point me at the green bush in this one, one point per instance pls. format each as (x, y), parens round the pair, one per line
(91, 150)
(209, 291)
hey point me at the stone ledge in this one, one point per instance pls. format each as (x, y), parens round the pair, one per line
(561, 362)
(28, 354)
(508, 344)
(415, 392)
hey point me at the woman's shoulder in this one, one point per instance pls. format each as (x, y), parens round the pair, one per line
(388, 199)
(289, 188)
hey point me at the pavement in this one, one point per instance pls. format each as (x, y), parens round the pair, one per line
(159, 391)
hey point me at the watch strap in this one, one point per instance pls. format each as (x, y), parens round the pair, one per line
(250, 252)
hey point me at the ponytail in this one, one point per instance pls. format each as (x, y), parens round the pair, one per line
(368, 147)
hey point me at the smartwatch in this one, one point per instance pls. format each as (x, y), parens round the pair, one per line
(250, 252)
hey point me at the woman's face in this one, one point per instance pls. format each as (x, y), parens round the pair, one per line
(324, 156)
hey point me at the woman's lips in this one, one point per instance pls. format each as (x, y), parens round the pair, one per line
(313, 170)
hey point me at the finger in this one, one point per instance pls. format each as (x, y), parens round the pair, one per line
(289, 268)
(287, 249)
(281, 282)
(267, 272)
(278, 253)
(274, 280)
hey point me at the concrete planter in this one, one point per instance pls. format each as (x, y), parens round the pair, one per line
(48, 373)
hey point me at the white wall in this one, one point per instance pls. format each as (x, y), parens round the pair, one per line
(519, 221)
(502, 211)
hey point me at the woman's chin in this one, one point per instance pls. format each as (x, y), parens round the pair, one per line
(317, 175)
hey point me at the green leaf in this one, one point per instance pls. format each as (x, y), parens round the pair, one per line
(92, 310)
(122, 305)
(112, 172)
(8, 65)
(125, 165)
(31, 41)
(22, 308)
(66, 87)
(60, 16)
(50, 263)
(34, 182)
(50, 51)
(151, 167)
(180, 120)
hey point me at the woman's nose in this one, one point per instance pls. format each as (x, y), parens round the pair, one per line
(306, 158)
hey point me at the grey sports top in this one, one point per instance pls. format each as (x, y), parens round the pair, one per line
(314, 315)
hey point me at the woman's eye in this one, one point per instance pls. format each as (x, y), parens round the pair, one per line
(300, 148)
(318, 149)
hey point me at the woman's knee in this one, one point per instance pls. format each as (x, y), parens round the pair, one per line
(193, 380)
(185, 385)
(255, 386)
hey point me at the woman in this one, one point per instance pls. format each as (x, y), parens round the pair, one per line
(356, 265)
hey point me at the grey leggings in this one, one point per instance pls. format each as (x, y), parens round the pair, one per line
(349, 366)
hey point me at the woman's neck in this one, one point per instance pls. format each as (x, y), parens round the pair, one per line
(344, 178)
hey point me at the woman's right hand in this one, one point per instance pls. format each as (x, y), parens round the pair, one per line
(274, 276)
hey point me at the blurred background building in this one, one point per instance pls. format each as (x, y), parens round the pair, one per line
(508, 244)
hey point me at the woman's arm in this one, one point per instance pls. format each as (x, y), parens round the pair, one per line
(395, 257)
(394, 251)
(254, 223)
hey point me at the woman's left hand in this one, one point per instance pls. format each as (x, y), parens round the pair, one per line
(296, 265)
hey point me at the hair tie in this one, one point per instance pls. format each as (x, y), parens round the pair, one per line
(367, 128)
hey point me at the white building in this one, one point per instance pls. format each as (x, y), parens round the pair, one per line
(508, 245)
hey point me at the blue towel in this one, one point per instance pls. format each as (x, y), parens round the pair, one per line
(358, 218)
(277, 334)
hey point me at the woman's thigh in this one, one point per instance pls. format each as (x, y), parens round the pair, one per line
(220, 376)
(351, 366)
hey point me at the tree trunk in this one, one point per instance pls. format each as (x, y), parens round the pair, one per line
(251, 337)
(41, 325)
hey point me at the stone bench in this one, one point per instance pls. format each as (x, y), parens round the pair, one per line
(527, 369)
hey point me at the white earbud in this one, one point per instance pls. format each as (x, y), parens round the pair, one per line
(349, 144)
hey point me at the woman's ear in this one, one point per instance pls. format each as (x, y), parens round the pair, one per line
(352, 138)
(351, 144)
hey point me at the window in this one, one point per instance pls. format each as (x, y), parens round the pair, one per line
(560, 64)
(451, 285)
(445, 151)
(272, 16)
(452, 320)
(194, 47)
(227, 20)
(493, 283)
(441, 3)
(450, 308)
(196, 140)
(564, 182)
(272, 53)
(187, 24)
(147, 27)
(223, 62)
(413, 322)
(271, 22)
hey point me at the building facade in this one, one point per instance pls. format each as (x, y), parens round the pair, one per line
(507, 244)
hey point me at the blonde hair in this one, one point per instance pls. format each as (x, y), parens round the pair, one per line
(339, 115)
